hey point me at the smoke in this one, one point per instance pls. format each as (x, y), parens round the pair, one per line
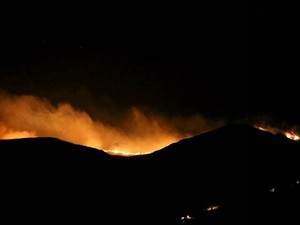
(135, 132)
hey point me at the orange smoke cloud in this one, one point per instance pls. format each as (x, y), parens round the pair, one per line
(137, 133)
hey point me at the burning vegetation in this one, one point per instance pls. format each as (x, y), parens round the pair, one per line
(136, 132)
(289, 134)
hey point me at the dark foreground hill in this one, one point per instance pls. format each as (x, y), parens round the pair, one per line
(233, 175)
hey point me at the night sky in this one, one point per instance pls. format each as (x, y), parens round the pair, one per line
(170, 59)
(273, 60)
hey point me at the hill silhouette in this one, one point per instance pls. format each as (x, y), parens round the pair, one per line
(244, 173)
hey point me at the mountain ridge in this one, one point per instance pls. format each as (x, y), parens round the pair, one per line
(234, 167)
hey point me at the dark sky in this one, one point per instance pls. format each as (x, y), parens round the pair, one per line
(273, 60)
(173, 59)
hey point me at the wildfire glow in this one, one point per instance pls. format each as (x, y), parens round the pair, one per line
(125, 153)
(261, 128)
(292, 135)
(17, 134)
(136, 132)
(186, 218)
(211, 208)
(289, 134)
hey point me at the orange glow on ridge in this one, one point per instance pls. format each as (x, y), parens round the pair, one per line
(136, 133)
(292, 135)
(212, 208)
(289, 134)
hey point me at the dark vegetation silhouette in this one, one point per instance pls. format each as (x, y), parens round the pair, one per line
(251, 175)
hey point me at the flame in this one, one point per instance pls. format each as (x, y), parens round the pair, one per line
(186, 218)
(18, 134)
(261, 128)
(126, 152)
(274, 130)
(292, 135)
(212, 208)
(136, 132)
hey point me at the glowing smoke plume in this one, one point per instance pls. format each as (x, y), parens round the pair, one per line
(137, 133)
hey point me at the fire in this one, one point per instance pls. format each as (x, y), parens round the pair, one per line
(289, 134)
(17, 134)
(126, 152)
(136, 133)
(292, 135)
(212, 208)
(186, 218)
(261, 128)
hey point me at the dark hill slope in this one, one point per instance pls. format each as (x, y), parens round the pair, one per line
(235, 166)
